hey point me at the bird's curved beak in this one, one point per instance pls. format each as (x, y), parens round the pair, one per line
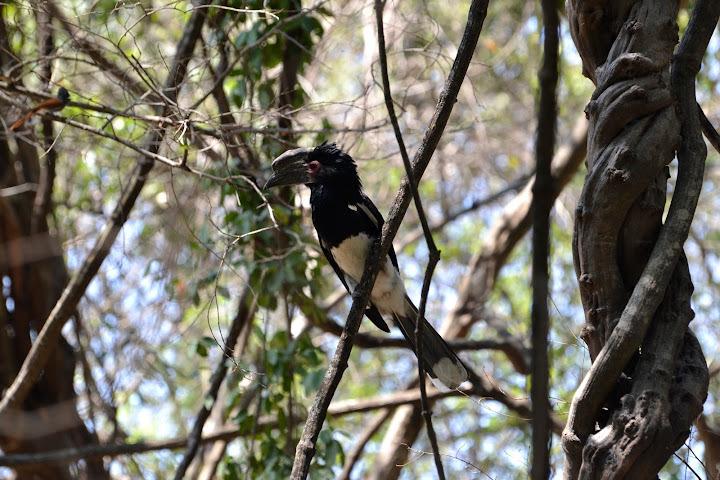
(290, 169)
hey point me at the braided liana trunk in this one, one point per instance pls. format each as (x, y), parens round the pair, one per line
(649, 379)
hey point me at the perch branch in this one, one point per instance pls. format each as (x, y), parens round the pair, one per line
(306, 446)
(433, 252)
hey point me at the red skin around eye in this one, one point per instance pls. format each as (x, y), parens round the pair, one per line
(314, 166)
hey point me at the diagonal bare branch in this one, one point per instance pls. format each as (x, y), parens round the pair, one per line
(433, 252)
(306, 446)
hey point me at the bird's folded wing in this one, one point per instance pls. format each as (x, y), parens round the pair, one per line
(369, 209)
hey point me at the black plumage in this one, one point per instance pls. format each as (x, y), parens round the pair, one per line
(347, 223)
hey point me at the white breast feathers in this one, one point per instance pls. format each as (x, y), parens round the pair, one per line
(388, 293)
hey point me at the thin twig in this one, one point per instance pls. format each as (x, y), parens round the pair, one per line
(434, 254)
(151, 153)
(352, 457)
(418, 233)
(306, 446)
(241, 318)
(219, 132)
(220, 77)
(511, 347)
(81, 39)
(688, 466)
(467, 464)
(337, 409)
(426, 412)
(709, 130)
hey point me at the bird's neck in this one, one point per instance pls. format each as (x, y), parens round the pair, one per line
(346, 193)
(331, 212)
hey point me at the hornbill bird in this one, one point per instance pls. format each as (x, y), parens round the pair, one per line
(347, 224)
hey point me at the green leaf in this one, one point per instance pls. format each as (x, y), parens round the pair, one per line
(230, 470)
(312, 380)
(203, 345)
(222, 291)
(272, 357)
(239, 93)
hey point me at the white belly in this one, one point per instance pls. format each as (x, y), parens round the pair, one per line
(388, 293)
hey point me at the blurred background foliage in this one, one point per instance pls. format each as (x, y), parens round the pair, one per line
(155, 316)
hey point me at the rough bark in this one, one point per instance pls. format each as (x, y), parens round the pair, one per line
(651, 394)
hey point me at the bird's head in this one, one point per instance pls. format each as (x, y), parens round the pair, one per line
(325, 164)
(63, 95)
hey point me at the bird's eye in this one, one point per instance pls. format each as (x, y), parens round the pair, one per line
(314, 166)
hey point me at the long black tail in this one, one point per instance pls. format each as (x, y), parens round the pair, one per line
(440, 361)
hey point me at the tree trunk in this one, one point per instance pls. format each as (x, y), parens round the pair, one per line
(637, 124)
